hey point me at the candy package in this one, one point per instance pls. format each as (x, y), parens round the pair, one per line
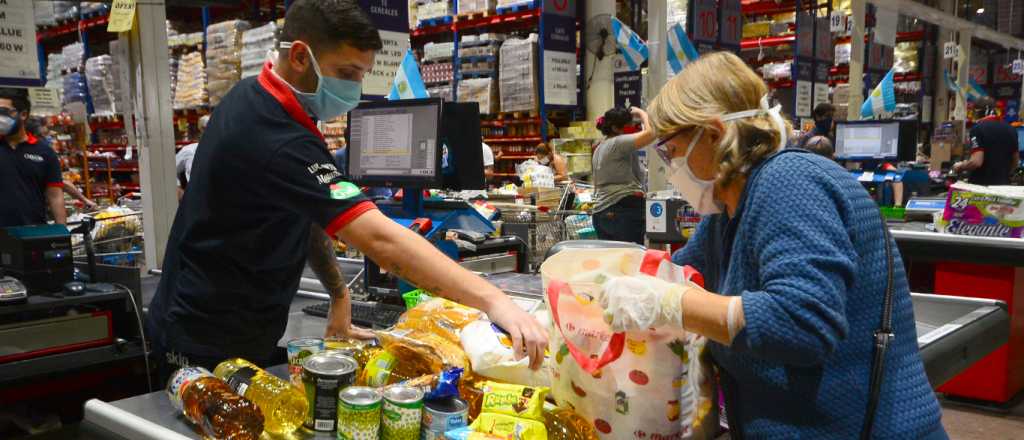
(437, 386)
(467, 433)
(420, 353)
(514, 400)
(507, 426)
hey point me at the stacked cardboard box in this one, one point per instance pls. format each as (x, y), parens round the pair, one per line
(517, 73)
(223, 57)
(480, 90)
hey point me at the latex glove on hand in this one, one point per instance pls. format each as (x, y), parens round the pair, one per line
(642, 302)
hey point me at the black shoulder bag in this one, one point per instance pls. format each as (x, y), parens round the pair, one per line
(883, 337)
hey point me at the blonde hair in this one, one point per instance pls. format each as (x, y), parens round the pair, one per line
(710, 87)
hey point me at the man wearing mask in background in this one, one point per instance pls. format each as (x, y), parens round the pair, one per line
(824, 114)
(265, 196)
(30, 177)
(994, 153)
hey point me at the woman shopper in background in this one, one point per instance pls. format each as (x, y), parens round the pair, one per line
(619, 207)
(796, 264)
(547, 156)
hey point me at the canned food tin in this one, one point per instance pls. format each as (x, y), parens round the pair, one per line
(401, 413)
(323, 375)
(358, 414)
(443, 415)
(298, 350)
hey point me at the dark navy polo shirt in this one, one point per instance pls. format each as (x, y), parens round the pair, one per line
(262, 175)
(25, 172)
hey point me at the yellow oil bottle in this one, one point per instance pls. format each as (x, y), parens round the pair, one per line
(284, 406)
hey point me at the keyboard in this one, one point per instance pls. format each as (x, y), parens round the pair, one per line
(364, 314)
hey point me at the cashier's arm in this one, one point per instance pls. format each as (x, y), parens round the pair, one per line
(55, 200)
(407, 255)
(976, 161)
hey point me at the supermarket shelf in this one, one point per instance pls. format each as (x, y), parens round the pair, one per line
(522, 157)
(504, 122)
(771, 7)
(512, 139)
(106, 125)
(71, 27)
(754, 43)
(504, 174)
(184, 142)
(781, 84)
(901, 37)
(468, 75)
(527, 16)
(107, 147)
(115, 170)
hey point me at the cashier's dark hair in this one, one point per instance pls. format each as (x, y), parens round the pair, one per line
(18, 97)
(614, 120)
(329, 23)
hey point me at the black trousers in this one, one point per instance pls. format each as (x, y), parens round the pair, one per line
(623, 221)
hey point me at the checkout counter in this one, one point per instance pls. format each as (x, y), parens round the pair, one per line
(953, 333)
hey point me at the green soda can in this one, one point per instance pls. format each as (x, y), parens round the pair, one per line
(358, 414)
(403, 407)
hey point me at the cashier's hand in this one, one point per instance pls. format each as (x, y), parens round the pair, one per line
(339, 321)
(528, 337)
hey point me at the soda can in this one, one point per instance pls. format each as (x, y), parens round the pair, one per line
(323, 375)
(358, 413)
(402, 411)
(443, 415)
(298, 350)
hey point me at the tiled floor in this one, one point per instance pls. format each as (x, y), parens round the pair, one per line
(966, 423)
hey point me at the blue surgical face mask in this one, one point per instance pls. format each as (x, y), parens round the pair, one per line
(333, 96)
(9, 122)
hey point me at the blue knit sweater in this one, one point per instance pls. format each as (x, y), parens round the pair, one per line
(805, 251)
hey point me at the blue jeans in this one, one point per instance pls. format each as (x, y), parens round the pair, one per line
(623, 221)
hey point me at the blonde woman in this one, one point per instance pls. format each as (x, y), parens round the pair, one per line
(795, 260)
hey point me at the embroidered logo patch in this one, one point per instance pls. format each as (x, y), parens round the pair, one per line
(344, 190)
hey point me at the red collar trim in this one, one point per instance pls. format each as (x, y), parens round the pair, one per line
(284, 95)
(989, 118)
(31, 140)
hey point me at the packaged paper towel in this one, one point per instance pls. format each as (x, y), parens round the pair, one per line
(984, 211)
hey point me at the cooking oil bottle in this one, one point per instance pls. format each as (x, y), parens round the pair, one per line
(284, 406)
(212, 406)
(565, 424)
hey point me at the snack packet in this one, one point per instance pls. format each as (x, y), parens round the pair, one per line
(421, 353)
(465, 433)
(514, 400)
(440, 317)
(437, 386)
(506, 426)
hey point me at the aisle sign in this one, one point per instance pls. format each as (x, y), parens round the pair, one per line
(732, 22)
(823, 49)
(804, 89)
(885, 26)
(628, 89)
(705, 21)
(820, 93)
(1018, 67)
(837, 21)
(19, 57)
(926, 109)
(392, 22)
(45, 101)
(950, 50)
(122, 16)
(804, 34)
(559, 78)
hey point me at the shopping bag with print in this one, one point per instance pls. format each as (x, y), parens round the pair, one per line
(634, 384)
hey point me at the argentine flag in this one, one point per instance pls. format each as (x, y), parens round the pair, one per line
(950, 84)
(882, 99)
(974, 91)
(680, 50)
(408, 83)
(633, 49)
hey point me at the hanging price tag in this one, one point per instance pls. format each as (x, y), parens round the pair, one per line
(1018, 67)
(122, 16)
(837, 21)
(950, 50)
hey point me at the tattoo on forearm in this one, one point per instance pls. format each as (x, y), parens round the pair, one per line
(323, 262)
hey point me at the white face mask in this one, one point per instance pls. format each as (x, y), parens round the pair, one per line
(544, 161)
(700, 193)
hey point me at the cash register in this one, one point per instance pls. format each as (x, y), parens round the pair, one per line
(38, 256)
(417, 144)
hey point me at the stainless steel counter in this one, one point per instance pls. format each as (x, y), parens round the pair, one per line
(916, 242)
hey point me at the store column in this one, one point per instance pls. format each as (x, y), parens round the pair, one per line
(600, 90)
(963, 72)
(154, 133)
(858, 13)
(657, 74)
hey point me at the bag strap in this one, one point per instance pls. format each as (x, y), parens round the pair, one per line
(589, 364)
(883, 337)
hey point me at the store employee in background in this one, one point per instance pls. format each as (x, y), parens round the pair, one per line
(30, 178)
(994, 148)
(265, 196)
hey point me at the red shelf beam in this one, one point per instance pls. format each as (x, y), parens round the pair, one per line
(521, 17)
(72, 27)
(512, 139)
(754, 43)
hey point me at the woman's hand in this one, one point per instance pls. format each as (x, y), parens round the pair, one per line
(641, 303)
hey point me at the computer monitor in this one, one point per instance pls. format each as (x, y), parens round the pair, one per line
(460, 132)
(907, 150)
(395, 143)
(1020, 139)
(866, 140)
